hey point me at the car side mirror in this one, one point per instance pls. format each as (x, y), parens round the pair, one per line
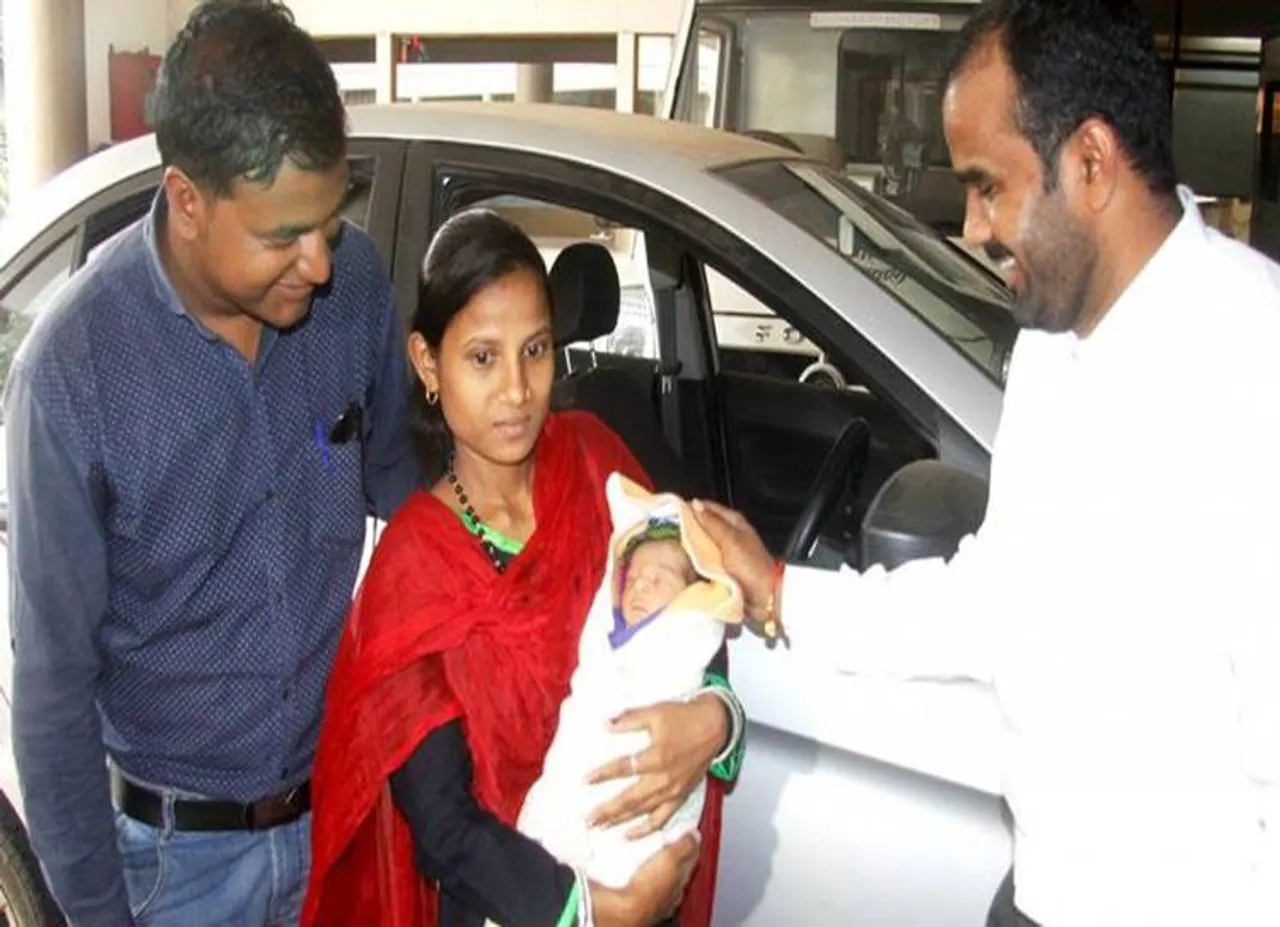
(923, 510)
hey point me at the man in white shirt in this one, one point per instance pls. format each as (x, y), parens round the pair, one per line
(1121, 595)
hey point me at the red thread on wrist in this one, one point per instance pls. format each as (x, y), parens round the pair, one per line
(771, 616)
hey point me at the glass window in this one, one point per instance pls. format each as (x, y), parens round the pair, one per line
(890, 97)
(42, 280)
(919, 269)
(1269, 136)
(29, 296)
(554, 228)
(875, 88)
(703, 106)
(359, 97)
(22, 303)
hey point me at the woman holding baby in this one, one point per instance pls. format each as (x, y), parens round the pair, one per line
(462, 639)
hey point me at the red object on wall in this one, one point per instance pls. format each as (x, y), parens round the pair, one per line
(131, 78)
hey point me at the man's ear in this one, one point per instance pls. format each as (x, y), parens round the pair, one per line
(424, 363)
(188, 206)
(1090, 165)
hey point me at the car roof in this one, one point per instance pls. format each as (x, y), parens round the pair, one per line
(590, 135)
(564, 129)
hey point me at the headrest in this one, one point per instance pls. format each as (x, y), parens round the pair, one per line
(585, 293)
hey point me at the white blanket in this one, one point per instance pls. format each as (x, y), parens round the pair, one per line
(664, 660)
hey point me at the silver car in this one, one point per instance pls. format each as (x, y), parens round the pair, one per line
(860, 801)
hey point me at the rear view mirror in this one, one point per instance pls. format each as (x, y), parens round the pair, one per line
(923, 510)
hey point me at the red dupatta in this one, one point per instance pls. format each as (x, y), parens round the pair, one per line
(435, 634)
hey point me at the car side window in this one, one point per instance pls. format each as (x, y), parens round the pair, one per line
(21, 304)
(360, 190)
(553, 228)
(753, 339)
(29, 295)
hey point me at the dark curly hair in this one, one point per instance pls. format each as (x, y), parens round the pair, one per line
(472, 250)
(242, 89)
(1077, 59)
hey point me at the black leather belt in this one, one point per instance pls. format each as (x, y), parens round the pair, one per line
(142, 804)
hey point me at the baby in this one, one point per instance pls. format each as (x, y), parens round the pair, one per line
(652, 570)
(656, 622)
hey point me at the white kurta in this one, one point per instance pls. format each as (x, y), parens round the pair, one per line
(665, 660)
(1123, 599)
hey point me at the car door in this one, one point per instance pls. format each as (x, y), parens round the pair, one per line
(854, 792)
(782, 418)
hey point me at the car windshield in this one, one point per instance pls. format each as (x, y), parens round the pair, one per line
(915, 265)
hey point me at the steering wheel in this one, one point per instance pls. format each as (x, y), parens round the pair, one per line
(839, 473)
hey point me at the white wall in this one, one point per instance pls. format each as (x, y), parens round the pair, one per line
(178, 12)
(131, 25)
(791, 80)
(424, 81)
(134, 25)
(491, 17)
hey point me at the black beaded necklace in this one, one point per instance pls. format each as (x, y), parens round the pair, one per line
(492, 551)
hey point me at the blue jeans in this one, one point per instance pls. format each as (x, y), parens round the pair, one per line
(214, 878)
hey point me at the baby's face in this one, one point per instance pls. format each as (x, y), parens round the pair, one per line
(657, 573)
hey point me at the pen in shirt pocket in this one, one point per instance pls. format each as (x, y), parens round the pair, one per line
(322, 445)
(347, 427)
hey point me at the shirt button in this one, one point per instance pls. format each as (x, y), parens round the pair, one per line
(284, 773)
(286, 692)
(271, 494)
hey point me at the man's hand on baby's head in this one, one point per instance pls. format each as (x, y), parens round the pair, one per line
(746, 558)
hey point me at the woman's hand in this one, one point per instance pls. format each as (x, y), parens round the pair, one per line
(684, 738)
(654, 892)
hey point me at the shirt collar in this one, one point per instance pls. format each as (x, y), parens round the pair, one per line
(1171, 260)
(151, 231)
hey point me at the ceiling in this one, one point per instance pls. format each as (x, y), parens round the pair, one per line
(1215, 17)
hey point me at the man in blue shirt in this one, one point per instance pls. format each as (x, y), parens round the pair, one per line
(197, 431)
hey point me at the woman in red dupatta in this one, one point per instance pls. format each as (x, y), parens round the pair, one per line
(445, 694)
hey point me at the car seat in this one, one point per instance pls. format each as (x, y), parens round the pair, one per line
(586, 299)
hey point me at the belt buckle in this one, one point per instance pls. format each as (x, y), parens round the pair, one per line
(283, 807)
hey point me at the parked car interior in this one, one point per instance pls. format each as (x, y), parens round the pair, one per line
(803, 461)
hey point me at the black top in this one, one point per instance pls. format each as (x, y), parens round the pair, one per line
(483, 868)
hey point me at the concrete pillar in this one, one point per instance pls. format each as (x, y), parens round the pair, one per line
(44, 81)
(628, 71)
(535, 83)
(386, 62)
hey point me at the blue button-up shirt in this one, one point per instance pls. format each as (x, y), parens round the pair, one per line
(184, 541)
